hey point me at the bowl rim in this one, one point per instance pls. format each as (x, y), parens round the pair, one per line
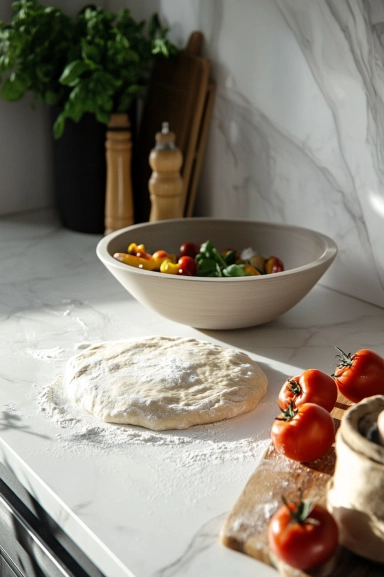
(328, 255)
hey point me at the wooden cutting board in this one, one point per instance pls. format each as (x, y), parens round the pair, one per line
(245, 528)
(181, 94)
(198, 157)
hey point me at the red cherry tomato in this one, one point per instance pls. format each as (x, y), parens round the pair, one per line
(302, 537)
(312, 386)
(360, 375)
(273, 264)
(184, 272)
(161, 254)
(304, 433)
(189, 249)
(188, 266)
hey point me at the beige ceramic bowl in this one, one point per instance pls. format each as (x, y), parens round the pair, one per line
(221, 303)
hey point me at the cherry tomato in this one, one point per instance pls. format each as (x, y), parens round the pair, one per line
(304, 433)
(189, 249)
(184, 272)
(360, 375)
(301, 536)
(312, 386)
(274, 264)
(160, 254)
(187, 266)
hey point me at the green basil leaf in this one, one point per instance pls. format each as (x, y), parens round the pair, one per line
(207, 264)
(58, 127)
(72, 72)
(206, 249)
(233, 270)
(52, 55)
(217, 256)
(14, 88)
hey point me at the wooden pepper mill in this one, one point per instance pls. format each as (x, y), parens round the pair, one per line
(165, 184)
(118, 201)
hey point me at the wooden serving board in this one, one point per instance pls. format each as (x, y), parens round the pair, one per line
(180, 93)
(245, 528)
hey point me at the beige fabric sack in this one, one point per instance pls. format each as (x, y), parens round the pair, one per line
(355, 494)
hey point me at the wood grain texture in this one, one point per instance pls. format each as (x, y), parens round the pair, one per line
(177, 94)
(119, 196)
(191, 189)
(245, 528)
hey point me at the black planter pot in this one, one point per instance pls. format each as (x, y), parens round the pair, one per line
(80, 174)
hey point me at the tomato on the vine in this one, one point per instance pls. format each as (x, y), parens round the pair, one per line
(304, 433)
(312, 386)
(359, 375)
(302, 536)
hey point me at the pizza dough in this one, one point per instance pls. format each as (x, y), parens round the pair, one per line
(163, 382)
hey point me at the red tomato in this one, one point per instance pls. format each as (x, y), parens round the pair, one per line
(312, 386)
(302, 537)
(360, 375)
(188, 266)
(161, 254)
(304, 433)
(273, 264)
(184, 272)
(189, 249)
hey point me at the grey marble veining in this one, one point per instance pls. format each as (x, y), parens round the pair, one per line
(297, 133)
(308, 148)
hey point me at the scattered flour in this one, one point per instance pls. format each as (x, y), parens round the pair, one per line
(46, 354)
(211, 443)
(10, 408)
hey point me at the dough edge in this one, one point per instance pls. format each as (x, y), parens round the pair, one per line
(223, 410)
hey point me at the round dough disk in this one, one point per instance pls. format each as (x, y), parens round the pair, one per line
(163, 382)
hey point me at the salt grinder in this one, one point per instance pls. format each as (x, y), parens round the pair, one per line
(166, 183)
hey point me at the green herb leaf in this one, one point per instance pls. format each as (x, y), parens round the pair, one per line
(72, 72)
(206, 249)
(234, 270)
(218, 258)
(97, 62)
(58, 127)
(14, 87)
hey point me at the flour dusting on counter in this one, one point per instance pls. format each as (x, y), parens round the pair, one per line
(205, 443)
(46, 354)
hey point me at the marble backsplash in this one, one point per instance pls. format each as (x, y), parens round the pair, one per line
(297, 133)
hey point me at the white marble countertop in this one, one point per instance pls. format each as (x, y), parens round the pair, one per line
(148, 507)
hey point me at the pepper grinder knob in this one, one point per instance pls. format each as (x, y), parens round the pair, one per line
(166, 184)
